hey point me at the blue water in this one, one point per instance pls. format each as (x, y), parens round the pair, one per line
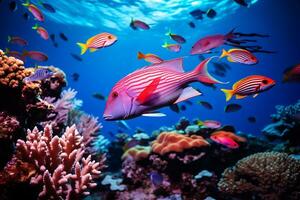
(99, 71)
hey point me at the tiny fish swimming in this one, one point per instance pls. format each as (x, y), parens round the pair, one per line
(153, 87)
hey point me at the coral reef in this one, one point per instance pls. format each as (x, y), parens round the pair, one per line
(59, 163)
(137, 153)
(8, 126)
(173, 142)
(263, 175)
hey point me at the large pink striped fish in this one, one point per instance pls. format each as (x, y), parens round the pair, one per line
(153, 87)
(250, 85)
(98, 41)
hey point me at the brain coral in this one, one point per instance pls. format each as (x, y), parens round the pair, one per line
(137, 153)
(269, 175)
(173, 142)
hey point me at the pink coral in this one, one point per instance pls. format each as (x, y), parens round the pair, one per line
(62, 168)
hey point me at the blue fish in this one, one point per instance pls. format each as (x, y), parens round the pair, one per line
(39, 74)
(156, 178)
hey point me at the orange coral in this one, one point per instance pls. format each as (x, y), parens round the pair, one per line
(12, 71)
(173, 142)
(137, 153)
(231, 135)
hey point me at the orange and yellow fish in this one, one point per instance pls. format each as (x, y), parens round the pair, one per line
(98, 41)
(149, 57)
(239, 56)
(251, 85)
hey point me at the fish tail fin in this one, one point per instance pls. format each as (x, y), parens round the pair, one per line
(168, 33)
(228, 94)
(83, 47)
(26, 3)
(35, 27)
(140, 55)
(8, 38)
(202, 74)
(224, 53)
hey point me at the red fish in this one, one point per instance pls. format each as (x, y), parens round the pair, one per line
(172, 47)
(35, 55)
(153, 87)
(226, 141)
(41, 31)
(35, 11)
(15, 54)
(206, 44)
(17, 40)
(149, 57)
(135, 24)
(251, 85)
(239, 56)
(177, 38)
(292, 74)
(98, 41)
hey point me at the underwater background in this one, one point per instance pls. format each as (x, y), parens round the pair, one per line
(99, 71)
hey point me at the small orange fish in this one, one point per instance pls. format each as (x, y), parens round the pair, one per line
(251, 85)
(172, 47)
(98, 41)
(152, 58)
(239, 56)
(41, 31)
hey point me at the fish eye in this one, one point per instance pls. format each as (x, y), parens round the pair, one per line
(115, 94)
(109, 37)
(265, 81)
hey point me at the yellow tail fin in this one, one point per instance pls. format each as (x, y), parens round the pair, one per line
(228, 94)
(224, 53)
(83, 47)
(140, 55)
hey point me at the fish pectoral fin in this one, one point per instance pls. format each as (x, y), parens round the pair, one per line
(147, 93)
(240, 96)
(93, 49)
(229, 59)
(255, 95)
(187, 93)
(154, 114)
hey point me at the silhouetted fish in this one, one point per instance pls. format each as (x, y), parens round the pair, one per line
(55, 44)
(13, 6)
(206, 105)
(192, 24)
(188, 102)
(75, 76)
(211, 13)
(241, 2)
(26, 16)
(233, 107)
(197, 14)
(48, 7)
(252, 119)
(52, 37)
(98, 96)
(76, 57)
(175, 108)
(63, 36)
(183, 107)
(219, 73)
(213, 86)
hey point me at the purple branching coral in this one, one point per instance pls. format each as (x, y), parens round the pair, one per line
(61, 167)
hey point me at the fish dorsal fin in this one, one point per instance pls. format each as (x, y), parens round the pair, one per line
(187, 93)
(175, 65)
(240, 96)
(145, 95)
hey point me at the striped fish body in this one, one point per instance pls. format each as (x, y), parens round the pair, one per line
(153, 87)
(239, 56)
(292, 74)
(251, 85)
(98, 41)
